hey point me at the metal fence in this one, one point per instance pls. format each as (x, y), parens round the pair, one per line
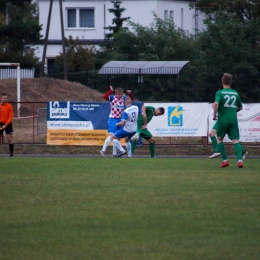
(6, 73)
(31, 126)
(191, 85)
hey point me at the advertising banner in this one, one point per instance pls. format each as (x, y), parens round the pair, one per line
(77, 123)
(248, 123)
(180, 119)
(85, 123)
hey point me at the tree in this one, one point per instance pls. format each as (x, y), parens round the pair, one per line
(241, 9)
(229, 45)
(118, 21)
(78, 56)
(161, 41)
(19, 34)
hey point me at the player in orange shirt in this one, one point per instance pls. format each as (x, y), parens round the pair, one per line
(6, 117)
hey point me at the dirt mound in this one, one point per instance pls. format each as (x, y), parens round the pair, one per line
(48, 89)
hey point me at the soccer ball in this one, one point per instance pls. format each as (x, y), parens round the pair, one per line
(135, 137)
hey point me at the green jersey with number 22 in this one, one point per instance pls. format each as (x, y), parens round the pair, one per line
(228, 103)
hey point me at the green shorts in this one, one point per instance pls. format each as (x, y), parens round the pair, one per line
(144, 133)
(215, 126)
(231, 129)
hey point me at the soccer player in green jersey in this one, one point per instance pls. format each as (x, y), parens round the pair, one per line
(212, 135)
(227, 104)
(142, 131)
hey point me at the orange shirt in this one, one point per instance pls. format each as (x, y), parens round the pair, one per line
(6, 113)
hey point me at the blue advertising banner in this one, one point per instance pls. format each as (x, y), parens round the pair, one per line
(77, 123)
(64, 115)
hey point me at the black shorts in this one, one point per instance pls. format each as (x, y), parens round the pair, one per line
(8, 130)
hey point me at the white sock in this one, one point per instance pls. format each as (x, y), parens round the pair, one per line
(106, 144)
(128, 148)
(114, 149)
(118, 145)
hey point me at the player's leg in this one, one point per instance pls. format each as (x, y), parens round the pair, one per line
(128, 147)
(212, 135)
(9, 132)
(134, 139)
(149, 137)
(233, 134)
(116, 137)
(1, 133)
(111, 129)
(133, 145)
(221, 131)
(244, 152)
(152, 147)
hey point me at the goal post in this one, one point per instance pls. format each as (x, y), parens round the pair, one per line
(18, 80)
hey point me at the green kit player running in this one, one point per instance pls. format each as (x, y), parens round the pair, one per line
(227, 103)
(142, 131)
(212, 135)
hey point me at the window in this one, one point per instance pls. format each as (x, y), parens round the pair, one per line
(171, 15)
(50, 65)
(165, 15)
(182, 18)
(80, 18)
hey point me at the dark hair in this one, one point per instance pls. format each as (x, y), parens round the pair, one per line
(227, 79)
(161, 110)
(3, 94)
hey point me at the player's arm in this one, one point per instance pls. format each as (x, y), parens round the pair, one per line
(121, 123)
(215, 109)
(123, 119)
(215, 105)
(129, 93)
(107, 94)
(239, 105)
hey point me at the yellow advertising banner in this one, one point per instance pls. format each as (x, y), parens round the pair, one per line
(77, 137)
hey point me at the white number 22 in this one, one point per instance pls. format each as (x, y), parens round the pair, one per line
(230, 101)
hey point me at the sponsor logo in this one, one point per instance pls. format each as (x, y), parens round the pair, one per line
(175, 116)
(59, 109)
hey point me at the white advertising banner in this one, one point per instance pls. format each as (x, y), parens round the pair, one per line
(248, 123)
(180, 119)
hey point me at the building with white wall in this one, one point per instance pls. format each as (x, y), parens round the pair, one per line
(86, 19)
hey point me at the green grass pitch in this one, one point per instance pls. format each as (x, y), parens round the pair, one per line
(140, 208)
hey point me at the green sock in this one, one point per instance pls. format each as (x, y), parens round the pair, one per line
(238, 151)
(133, 144)
(243, 149)
(214, 143)
(152, 148)
(222, 150)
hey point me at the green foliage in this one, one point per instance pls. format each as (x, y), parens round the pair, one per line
(242, 9)
(235, 42)
(229, 45)
(78, 56)
(162, 41)
(118, 20)
(21, 31)
(18, 3)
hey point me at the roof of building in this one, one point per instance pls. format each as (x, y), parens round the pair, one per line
(143, 67)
